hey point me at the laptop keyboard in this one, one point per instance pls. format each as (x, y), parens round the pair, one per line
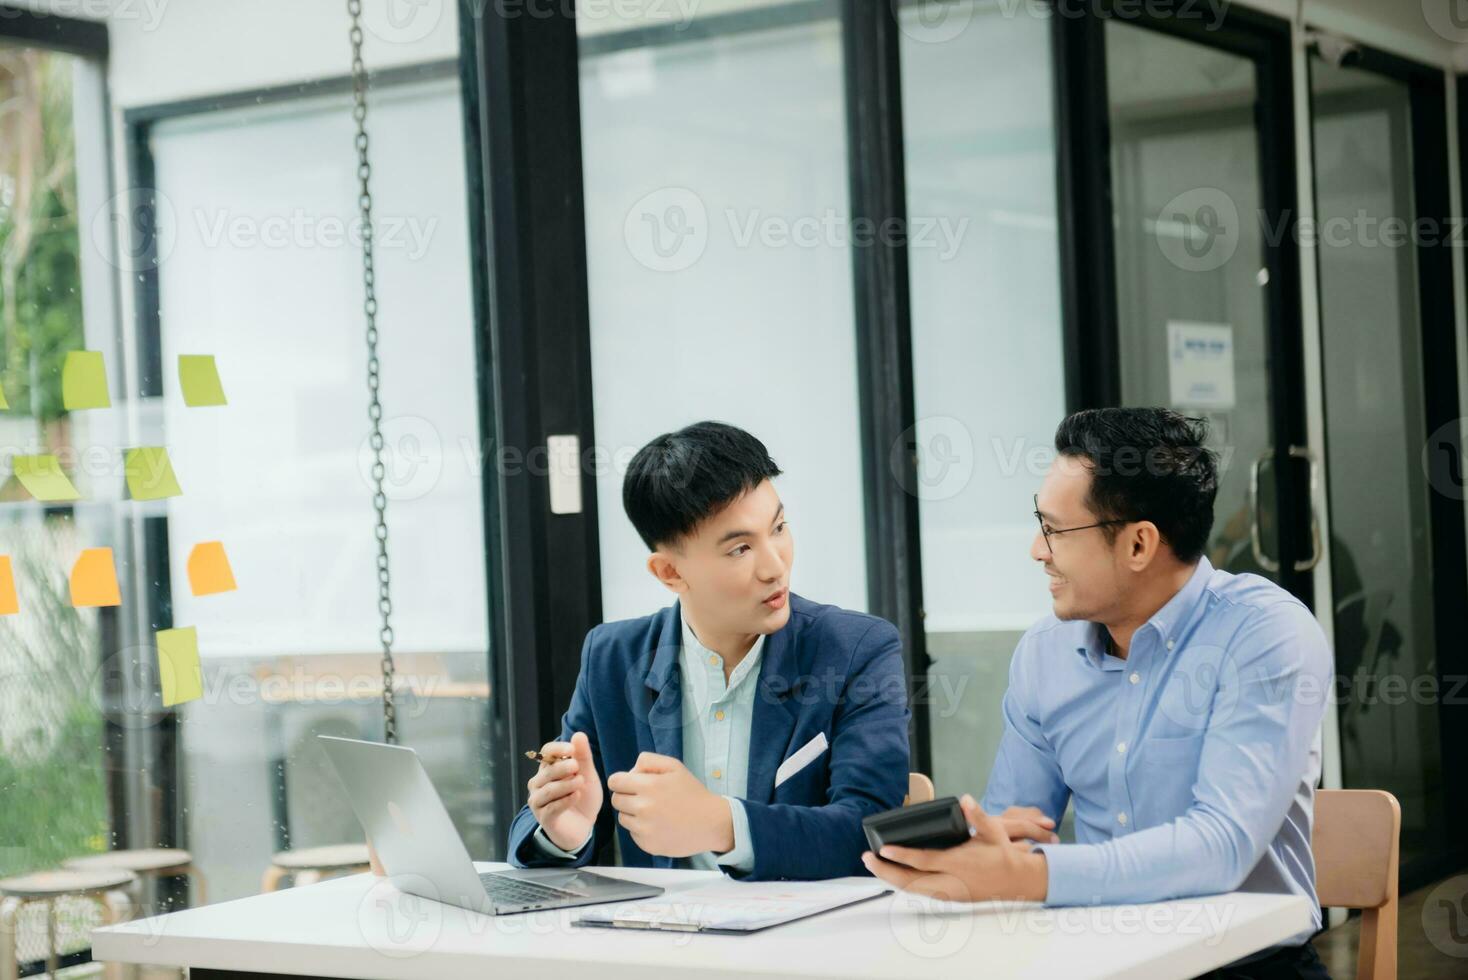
(516, 891)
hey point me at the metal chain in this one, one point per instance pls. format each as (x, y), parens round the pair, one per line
(374, 406)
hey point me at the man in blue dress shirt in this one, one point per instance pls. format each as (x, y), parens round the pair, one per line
(1175, 706)
(743, 728)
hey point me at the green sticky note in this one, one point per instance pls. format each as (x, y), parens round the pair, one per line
(84, 381)
(198, 376)
(3, 402)
(150, 474)
(42, 478)
(179, 671)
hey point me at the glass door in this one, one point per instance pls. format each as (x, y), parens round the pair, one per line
(1205, 322)
(1379, 165)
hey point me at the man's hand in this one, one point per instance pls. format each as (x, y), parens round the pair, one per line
(668, 811)
(987, 867)
(566, 796)
(1027, 823)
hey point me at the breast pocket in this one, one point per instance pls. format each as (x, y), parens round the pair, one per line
(1167, 769)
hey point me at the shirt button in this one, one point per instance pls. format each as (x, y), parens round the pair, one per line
(718, 716)
(1121, 819)
(1121, 746)
(719, 774)
(1135, 678)
(714, 661)
(1171, 644)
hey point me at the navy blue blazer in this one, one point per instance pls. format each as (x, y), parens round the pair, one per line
(828, 670)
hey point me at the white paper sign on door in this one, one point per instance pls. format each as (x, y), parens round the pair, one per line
(1200, 358)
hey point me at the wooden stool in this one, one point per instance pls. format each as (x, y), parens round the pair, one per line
(309, 865)
(107, 888)
(149, 862)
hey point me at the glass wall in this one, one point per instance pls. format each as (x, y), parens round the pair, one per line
(54, 765)
(260, 266)
(718, 239)
(988, 368)
(1381, 532)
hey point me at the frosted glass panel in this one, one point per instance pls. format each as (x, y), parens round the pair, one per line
(720, 278)
(987, 358)
(261, 267)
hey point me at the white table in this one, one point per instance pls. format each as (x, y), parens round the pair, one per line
(363, 927)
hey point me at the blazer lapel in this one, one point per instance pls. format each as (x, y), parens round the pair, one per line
(664, 680)
(775, 711)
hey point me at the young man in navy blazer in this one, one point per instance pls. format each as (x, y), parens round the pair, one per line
(742, 728)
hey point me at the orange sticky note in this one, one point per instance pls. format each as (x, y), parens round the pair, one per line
(209, 571)
(9, 601)
(94, 579)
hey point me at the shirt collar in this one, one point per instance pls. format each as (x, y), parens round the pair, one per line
(697, 653)
(1177, 611)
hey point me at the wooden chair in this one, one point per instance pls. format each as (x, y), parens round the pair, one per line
(919, 789)
(1357, 848)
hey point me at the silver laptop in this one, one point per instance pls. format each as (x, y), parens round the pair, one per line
(420, 849)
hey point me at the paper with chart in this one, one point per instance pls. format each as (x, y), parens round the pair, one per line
(734, 905)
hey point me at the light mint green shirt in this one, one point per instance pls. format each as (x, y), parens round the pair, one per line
(718, 718)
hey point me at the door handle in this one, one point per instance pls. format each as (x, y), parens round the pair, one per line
(1317, 551)
(1256, 537)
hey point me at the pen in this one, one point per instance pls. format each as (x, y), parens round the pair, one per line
(534, 756)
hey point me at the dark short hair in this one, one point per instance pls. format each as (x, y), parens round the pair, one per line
(1147, 464)
(683, 478)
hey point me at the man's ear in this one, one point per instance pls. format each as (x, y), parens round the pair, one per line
(1143, 543)
(663, 566)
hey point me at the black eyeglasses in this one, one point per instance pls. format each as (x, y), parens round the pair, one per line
(1048, 531)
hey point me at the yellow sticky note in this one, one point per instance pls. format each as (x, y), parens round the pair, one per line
(94, 579)
(198, 376)
(209, 571)
(178, 665)
(150, 474)
(9, 601)
(42, 478)
(84, 381)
